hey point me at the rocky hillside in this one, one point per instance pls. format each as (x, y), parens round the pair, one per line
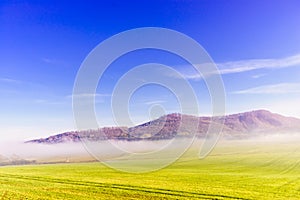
(240, 125)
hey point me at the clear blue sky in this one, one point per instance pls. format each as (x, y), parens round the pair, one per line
(256, 45)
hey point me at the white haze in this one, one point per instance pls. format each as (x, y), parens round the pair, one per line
(33, 151)
(37, 151)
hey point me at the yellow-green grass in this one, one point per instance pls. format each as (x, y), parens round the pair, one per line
(235, 169)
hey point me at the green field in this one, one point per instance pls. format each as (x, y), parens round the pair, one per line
(234, 170)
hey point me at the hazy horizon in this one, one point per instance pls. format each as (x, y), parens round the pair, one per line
(27, 138)
(77, 152)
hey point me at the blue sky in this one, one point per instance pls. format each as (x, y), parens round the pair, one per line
(255, 44)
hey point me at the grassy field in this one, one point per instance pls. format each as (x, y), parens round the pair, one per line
(234, 170)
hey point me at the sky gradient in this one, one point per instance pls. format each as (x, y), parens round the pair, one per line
(255, 45)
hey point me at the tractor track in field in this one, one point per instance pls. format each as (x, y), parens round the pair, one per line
(145, 190)
(293, 166)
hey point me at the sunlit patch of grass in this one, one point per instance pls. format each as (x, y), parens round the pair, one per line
(235, 169)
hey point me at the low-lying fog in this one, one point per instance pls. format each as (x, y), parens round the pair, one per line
(73, 152)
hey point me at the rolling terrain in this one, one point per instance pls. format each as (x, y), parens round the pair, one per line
(266, 166)
(242, 125)
(261, 169)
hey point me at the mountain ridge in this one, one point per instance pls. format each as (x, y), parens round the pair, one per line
(240, 125)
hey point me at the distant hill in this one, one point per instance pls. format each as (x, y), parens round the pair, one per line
(241, 125)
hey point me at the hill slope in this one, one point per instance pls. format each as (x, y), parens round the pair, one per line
(239, 125)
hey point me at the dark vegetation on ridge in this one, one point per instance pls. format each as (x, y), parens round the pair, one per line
(242, 125)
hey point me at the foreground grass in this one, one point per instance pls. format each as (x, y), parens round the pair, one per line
(234, 170)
